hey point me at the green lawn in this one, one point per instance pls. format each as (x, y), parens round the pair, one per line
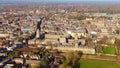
(109, 50)
(85, 63)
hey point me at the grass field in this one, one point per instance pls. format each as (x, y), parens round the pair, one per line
(85, 63)
(109, 50)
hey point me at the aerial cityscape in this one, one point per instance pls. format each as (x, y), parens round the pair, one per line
(59, 34)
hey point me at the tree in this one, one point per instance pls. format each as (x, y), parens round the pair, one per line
(68, 56)
(11, 55)
(20, 39)
(81, 17)
(117, 43)
(62, 66)
(117, 31)
(41, 65)
(89, 42)
(99, 49)
(72, 58)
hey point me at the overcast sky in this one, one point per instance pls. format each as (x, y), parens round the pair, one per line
(54, 0)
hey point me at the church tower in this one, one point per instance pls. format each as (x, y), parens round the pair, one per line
(37, 33)
(38, 29)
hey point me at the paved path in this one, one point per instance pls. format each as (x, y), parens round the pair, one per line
(99, 58)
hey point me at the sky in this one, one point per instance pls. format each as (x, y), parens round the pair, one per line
(56, 0)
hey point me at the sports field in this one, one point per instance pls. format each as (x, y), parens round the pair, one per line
(85, 63)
